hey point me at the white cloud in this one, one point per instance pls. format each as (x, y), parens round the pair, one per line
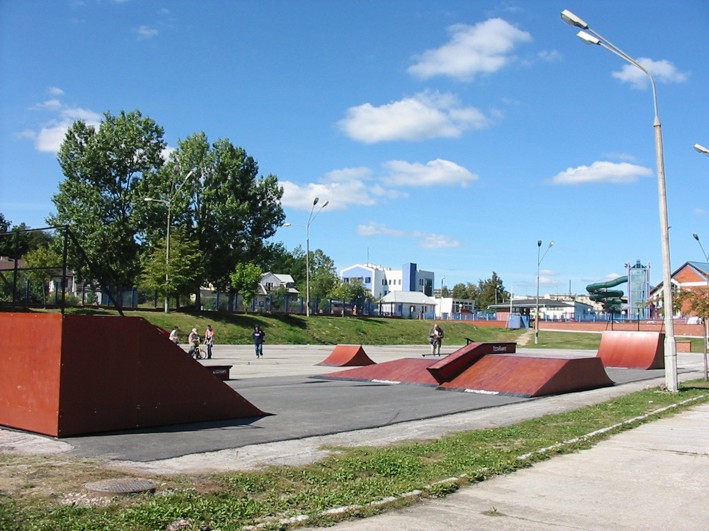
(146, 32)
(360, 186)
(377, 229)
(603, 172)
(426, 240)
(49, 136)
(663, 71)
(437, 241)
(340, 193)
(55, 91)
(421, 117)
(433, 173)
(484, 48)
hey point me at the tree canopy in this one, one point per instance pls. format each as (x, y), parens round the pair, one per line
(103, 169)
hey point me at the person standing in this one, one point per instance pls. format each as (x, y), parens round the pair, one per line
(209, 340)
(435, 337)
(259, 337)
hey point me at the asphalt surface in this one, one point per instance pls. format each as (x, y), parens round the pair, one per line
(652, 477)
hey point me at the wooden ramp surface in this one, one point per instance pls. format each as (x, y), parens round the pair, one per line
(74, 375)
(347, 356)
(531, 376)
(632, 350)
(481, 367)
(457, 362)
(404, 370)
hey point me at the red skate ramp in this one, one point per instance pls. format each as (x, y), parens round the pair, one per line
(633, 350)
(454, 364)
(72, 375)
(347, 356)
(405, 370)
(531, 376)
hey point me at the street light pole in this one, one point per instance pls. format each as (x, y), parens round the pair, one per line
(591, 36)
(311, 218)
(168, 204)
(536, 311)
(706, 320)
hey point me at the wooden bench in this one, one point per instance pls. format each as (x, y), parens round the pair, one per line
(220, 371)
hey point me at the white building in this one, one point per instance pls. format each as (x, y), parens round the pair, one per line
(380, 281)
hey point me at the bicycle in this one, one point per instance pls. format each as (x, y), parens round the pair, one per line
(197, 351)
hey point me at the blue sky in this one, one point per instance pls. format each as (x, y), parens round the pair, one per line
(453, 134)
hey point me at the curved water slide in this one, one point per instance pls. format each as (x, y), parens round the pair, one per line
(612, 298)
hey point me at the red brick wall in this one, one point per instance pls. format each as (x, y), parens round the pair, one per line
(681, 329)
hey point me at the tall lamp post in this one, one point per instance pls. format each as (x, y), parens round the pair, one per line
(591, 36)
(168, 203)
(536, 311)
(706, 321)
(311, 218)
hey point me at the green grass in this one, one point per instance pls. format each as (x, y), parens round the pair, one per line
(235, 329)
(351, 476)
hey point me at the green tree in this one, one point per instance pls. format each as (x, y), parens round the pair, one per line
(46, 265)
(696, 301)
(245, 280)
(184, 270)
(465, 291)
(104, 168)
(323, 278)
(350, 292)
(490, 291)
(226, 206)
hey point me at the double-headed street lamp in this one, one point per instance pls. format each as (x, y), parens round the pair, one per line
(311, 218)
(591, 36)
(168, 203)
(540, 257)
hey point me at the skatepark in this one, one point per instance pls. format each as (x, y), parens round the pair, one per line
(306, 406)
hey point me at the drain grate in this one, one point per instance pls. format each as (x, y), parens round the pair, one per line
(122, 486)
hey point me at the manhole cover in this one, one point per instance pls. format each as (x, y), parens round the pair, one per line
(122, 486)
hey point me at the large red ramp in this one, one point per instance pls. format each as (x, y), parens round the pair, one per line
(528, 375)
(632, 350)
(71, 375)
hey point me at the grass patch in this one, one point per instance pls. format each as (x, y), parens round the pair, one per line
(358, 478)
(235, 329)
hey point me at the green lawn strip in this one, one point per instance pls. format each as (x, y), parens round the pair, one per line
(357, 481)
(235, 329)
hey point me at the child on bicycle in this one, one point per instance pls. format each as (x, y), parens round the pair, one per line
(194, 340)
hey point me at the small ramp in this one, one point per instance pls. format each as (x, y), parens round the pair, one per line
(632, 350)
(452, 365)
(404, 370)
(347, 356)
(531, 376)
(75, 374)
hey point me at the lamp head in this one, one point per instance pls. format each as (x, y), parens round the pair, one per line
(539, 243)
(695, 236)
(551, 244)
(572, 20)
(701, 149)
(588, 38)
(315, 201)
(325, 204)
